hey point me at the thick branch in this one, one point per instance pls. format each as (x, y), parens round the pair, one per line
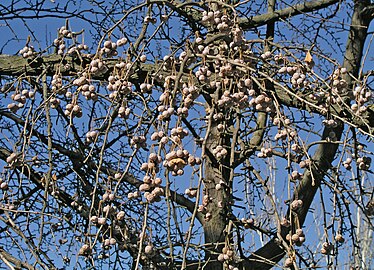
(11, 260)
(259, 20)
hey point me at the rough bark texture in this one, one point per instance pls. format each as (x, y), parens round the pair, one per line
(214, 229)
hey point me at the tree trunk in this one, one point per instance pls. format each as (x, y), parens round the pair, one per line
(215, 228)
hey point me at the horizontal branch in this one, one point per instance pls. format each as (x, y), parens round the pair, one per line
(364, 121)
(15, 65)
(259, 20)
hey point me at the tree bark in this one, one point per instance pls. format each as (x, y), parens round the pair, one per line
(218, 207)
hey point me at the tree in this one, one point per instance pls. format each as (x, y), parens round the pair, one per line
(187, 135)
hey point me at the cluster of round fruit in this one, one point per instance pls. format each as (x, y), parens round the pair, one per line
(149, 250)
(298, 80)
(150, 19)
(265, 152)
(364, 163)
(182, 111)
(226, 255)
(91, 136)
(295, 175)
(81, 80)
(247, 222)
(362, 95)
(238, 40)
(152, 165)
(266, 55)
(168, 63)
(55, 102)
(166, 112)
(219, 152)
(108, 242)
(89, 92)
(57, 84)
(339, 84)
(118, 85)
(85, 250)
(108, 195)
(146, 88)
(288, 70)
(296, 204)
(218, 116)
(203, 207)
(246, 84)
(75, 50)
(304, 163)
(164, 98)
(121, 42)
(133, 195)
(177, 134)
(177, 160)
(124, 112)
(152, 189)
(223, 69)
(191, 192)
(261, 102)
(330, 123)
(73, 110)
(64, 32)
(159, 136)
(138, 142)
(11, 158)
(297, 238)
(109, 49)
(279, 121)
(347, 163)
(60, 44)
(203, 74)
(281, 134)
(97, 66)
(288, 262)
(27, 51)
(326, 248)
(339, 238)
(99, 221)
(228, 100)
(217, 19)
(123, 65)
(204, 49)
(190, 93)
(296, 148)
(20, 100)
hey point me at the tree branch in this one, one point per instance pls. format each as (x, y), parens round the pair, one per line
(260, 20)
(9, 259)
